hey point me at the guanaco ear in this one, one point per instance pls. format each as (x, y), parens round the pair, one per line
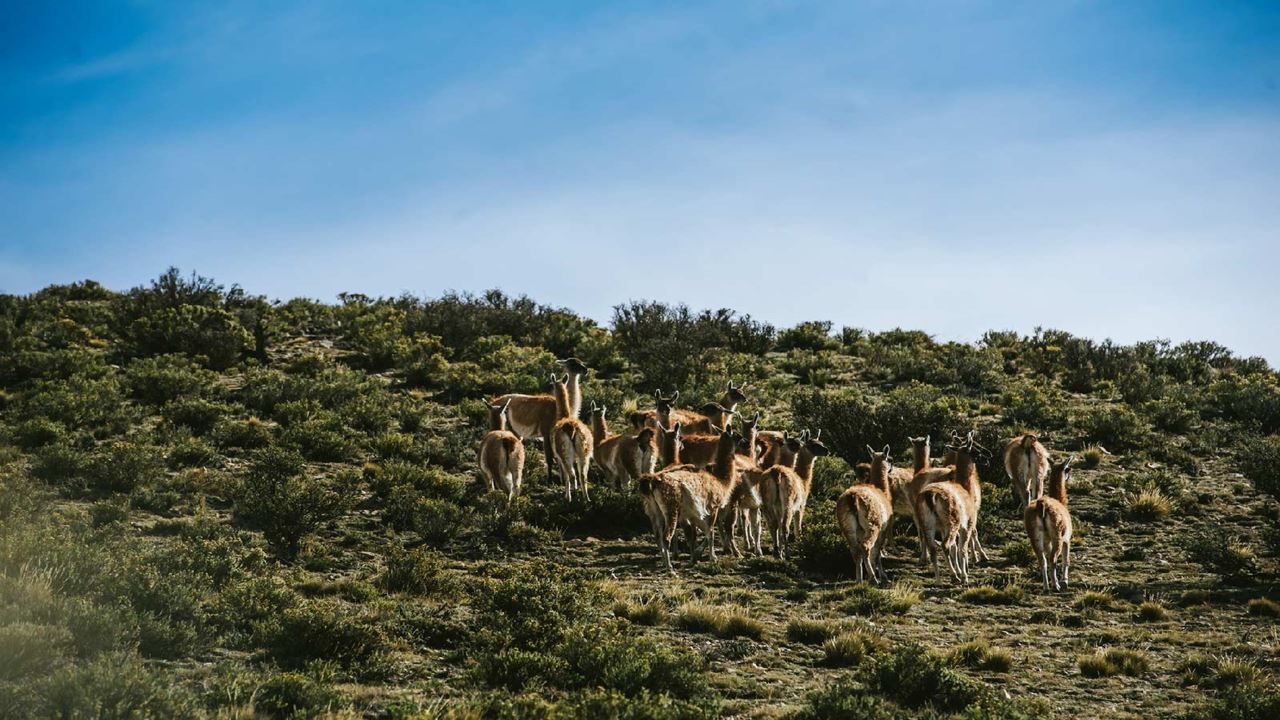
(506, 405)
(676, 429)
(871, 451)
(818, 437)
(658, 393)
(717, 429)
(886, 451)
(675, 396)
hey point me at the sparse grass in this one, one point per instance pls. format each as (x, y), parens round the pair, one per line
(851, 647)
(1095, 600)
(867, 600)
(723, 622)
(650, 613)
(1091, 457)
(1264, 607)
(1148, 505)
(1115, 661)
(1151, 611)
(811, 631)
(979, 655)
(988, 595)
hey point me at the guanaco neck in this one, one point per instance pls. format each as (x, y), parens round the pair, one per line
(1057, 486)
(563, 408)
(723, 468)
(575, 394)
(803, 464)
(497, 419)
(599, 428)
(966, 474)
(919, 457)
(880, 474)
(670, 448)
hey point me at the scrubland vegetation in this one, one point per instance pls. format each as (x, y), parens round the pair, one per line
(212, 505)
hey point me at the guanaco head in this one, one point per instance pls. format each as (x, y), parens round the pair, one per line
(574, 366)
(664, 404)
(862, 471)
(881, 464)
(733, 395)
(920, 444)
(1028, 441)
(794, 442)
(498, 415)
(814, 444)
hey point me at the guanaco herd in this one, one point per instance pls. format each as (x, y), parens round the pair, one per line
(714, 477)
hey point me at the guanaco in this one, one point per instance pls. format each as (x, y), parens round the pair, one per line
(1048, 523)
(810, 449)
(535, 416)
(864, 513)
(624, 458)
(684, 495)
(571, 443)
(1026, 462)
(502, 454)
(947, 511)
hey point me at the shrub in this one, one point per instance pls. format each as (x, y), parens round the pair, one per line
(295, 695)
(121, 466)
(165, 378)
(31, 649)
(197, 414)
(319, 441)
(1030, 405)
(914, 677)
(61, 464)
(248, 434)
(416, 571)
(846, 699)
(1115, 427)
(1220, 552)
(112, 686)
(1249, 701)
(326, 630)
(850, 420)
(277, 498)
(212, 335)
(1259, 460)
(38, 432)
(812, 335)
(1095, 599)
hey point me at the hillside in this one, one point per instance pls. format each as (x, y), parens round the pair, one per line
(212, 505)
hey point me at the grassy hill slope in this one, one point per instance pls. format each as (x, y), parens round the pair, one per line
(213, 505)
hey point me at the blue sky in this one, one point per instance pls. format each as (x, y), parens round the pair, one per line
(1108, 168)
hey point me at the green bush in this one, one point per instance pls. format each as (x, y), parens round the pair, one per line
(120, 466)
(295, 695)
(846, 699)
(326, 630)
(415, 571)
(1115, 427)
(850, 420)
(913, 677)
(1259, 460)
(31, 650)
(277, 497)
(248, 434)
(114, 687)
(211, 335)
(166, 378)
(196, 414)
